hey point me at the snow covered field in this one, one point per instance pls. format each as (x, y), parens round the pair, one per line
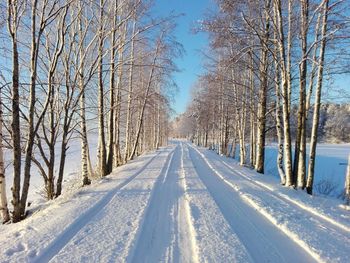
(330, 169)
(182, 204)
(36, 194)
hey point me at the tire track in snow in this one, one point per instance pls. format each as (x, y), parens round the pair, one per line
(62, 239)
(215, 240)
(327, 242)
(145, 235)
(163, 234)
(257, 233)
(287, 199)
(187, 212)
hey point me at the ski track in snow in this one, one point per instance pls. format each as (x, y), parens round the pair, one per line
(262, 239)
(215, 239)
(91, 221)
(326, 220)
(322, 237)
(179, 204)
(69, 233)
(161, 235)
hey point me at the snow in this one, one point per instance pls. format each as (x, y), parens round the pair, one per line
(181, 204)
(331, 160)
(316, 224)
(36, 195)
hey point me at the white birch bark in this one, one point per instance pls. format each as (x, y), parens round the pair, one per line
(279, 127)
(146, 97)
(263, 71)
(13, 18)
(285, 77)
(347, 183)
(86, 167)
(316, 115)
(3, 198)
(102, 153)
(300, 142)
(130, 90)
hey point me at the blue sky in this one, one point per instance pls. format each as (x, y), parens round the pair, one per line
(191, 63)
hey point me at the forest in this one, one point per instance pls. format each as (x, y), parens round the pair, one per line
(74, 70)
(270, 69)
(175, 131)
(70, 69)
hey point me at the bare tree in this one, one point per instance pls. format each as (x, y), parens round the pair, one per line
(148, 85)
(316, 115)
(130, 93)
(299, 170)
(50, 128)
(286, 89)
(3, 198)
(263, 69)
(13, 18)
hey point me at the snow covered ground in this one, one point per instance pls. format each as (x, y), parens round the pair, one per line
(330, 169)
(182, 204)
(36, 195)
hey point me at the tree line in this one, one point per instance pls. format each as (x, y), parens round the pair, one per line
(266, 69)
(68, 66)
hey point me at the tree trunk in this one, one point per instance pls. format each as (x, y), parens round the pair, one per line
(300, 142)
(313, 70)
(112, 91)
(279, 128)
(263, 71)
(316, 116)
(86, 167)
(252, 113)
(226, 137)
(102, 153)
(148, 86)
(51, 146)
(35, 37)
(62, 164)
(86, 170)
(67, 119)
(234, 145)
(85, 156)
(158, 128)
(117, 155)
(128, 111)
(285, 94)
(347, 184)
(3, 198)
(15, 122)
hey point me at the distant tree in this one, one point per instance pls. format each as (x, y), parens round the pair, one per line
(263, 46)
(337, 125)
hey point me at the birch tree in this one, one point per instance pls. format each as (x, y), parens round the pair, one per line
(61, 47)
(299, 172)
(3, 198)
(284, 62)
(158, 50)
(347, 183)
(52, 117)
(316, 115)
(13, 17)
(130, 93)
(40, 15)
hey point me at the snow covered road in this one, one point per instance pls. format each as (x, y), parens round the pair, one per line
(260, 237)
(179, 204)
